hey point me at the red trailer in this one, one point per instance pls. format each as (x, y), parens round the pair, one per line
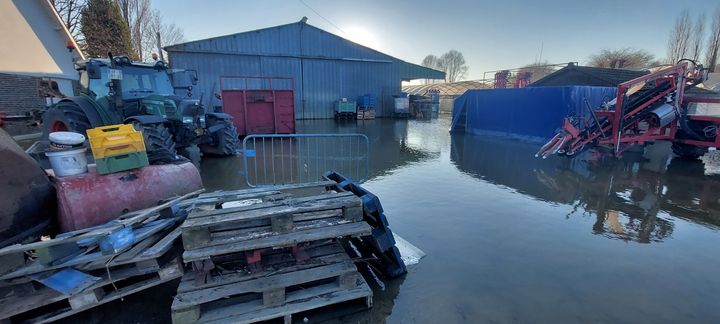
(259, 105)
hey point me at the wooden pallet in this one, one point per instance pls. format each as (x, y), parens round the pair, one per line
(284, 287)
(345, 115)
(276, 220)
(82, 246)
(153, 260)
(366, 114)
(39, 304)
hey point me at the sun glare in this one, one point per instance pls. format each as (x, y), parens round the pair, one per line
(362, 36)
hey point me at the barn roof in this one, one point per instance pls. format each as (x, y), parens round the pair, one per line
(300, 40)
(588, 76)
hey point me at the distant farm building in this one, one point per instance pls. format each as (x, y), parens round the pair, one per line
(325, 67)
(448, 91)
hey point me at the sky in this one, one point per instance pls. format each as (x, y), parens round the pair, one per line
(492, 35)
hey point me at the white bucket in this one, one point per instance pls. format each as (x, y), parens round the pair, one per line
(67, 163)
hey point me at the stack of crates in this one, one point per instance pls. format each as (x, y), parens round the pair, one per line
(366, 107)
(117, 148)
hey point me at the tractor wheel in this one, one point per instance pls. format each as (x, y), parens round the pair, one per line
(191, 153)
(688, 152)
(65, 117)
(224, 142)
(159, 143)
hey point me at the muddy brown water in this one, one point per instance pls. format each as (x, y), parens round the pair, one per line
(514, 239)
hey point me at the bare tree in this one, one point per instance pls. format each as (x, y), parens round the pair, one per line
(137, 15)
(624, 58)
(678, 43)
(696, 38)
(69, 11)
(430, 61)
(169, 34)
(713, 44)
(453, 64)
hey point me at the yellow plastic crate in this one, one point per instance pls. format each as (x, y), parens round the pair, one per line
(115, 139)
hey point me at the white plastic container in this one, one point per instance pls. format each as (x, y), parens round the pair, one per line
(68, 157)
(402, 105)
(67, 163)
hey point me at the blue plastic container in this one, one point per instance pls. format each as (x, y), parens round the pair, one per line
(367, 101)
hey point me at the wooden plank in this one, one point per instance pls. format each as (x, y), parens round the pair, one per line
(297, 301)
(273, 296)
(45, 296)
(10, 262)
(114, 295)
(259, 285)
(96, 257)
(163, 245)
(294, 201)
(96, 231)
(266, 221)
(282, 223)
(230, 215)
(233, 236)
(188, 283)
(86, 298)
(195, 237)
(270, 188)
(219, 199)
(186, 316)
(281, 240)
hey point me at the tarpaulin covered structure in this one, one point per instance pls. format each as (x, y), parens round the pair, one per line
(531, 114)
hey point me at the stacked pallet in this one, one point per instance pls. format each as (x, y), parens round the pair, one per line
(264, 254)
(368, 113)
(51, 279)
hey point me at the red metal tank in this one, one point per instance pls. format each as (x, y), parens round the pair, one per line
(91, 199)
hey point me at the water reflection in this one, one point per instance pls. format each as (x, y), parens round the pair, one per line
(633, 199)
(392, 145)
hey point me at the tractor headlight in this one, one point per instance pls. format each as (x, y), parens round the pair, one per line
(187, 120)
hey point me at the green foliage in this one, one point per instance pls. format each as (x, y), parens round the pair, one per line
(105, 30)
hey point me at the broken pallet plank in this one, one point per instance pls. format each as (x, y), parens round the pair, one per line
(98, 258)
(295, 302)
(169, 273)
(14, 305)
(349, 203)
(280, 240)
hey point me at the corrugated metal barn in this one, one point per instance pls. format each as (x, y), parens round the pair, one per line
(325, 67)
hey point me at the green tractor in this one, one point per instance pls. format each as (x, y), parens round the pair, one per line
(117, 91)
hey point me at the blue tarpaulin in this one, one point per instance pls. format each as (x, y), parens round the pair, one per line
(533, 114)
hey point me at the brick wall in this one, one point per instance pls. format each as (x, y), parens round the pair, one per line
(19, 94)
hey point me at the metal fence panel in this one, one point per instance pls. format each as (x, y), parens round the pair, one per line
(277, 159)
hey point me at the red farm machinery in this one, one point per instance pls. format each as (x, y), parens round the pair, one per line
(654, 107)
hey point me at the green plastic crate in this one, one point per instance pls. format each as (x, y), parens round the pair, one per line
(345, 106)
(122, 162)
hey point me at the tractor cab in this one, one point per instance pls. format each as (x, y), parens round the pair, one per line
(116, 90)
(136, 88)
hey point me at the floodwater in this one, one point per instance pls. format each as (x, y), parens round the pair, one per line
(514, 239)
(511, 238)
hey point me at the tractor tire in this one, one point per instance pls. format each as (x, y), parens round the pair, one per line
(688, 152)
(225, 142)
(65, 117)
(159, 143)
(192, 153)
